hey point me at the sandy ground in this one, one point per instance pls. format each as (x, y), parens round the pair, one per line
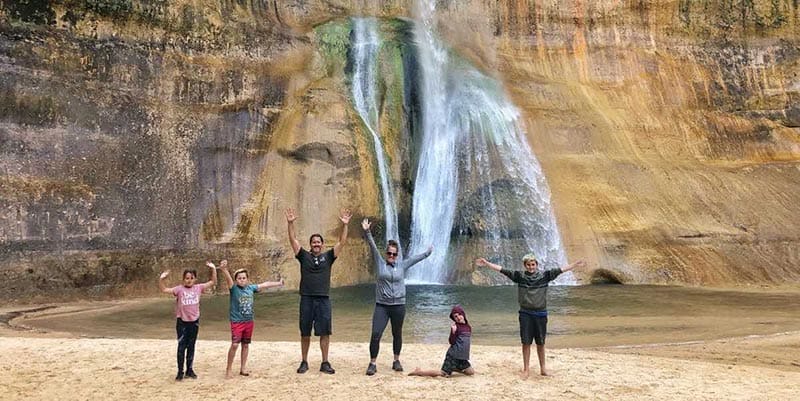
(88, 369)
(38, 366)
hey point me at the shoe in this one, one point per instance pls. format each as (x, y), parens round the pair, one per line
(371, 369)
(326, 367)
(190, 374)
(397, 367)
(179, 377)
(303, 368)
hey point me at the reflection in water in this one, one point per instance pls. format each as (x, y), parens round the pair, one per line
(579, 316)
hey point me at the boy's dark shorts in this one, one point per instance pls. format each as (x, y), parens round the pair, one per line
(532, 328)
(451, 365)
(316, 312)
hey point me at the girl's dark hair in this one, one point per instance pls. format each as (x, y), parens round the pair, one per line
(194, 273)
(393, 243)
(311, 238)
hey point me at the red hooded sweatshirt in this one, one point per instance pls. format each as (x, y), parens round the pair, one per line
(461, 338)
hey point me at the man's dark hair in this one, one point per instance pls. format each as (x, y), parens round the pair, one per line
(393, 243)
(311, 238)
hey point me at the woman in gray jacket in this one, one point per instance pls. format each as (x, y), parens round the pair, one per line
(390, 297)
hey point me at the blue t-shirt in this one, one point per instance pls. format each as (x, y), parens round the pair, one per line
(241, 309)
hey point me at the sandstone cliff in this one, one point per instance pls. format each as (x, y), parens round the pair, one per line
(138, 135)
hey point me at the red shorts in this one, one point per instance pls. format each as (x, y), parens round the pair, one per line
(242, 332)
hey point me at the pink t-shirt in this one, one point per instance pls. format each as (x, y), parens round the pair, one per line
(187, 302)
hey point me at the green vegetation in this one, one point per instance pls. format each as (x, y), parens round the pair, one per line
(334, 39)
(31, 11)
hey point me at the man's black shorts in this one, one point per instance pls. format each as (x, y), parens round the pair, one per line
(316, 312)
(532, 328)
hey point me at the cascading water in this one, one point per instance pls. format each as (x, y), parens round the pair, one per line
(466, 117)
(436, 182)
(480, 109)
(364, 47)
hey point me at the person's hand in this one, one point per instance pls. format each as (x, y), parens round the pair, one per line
(164, 275)
(579, 265)
(345, 216)
(430, 249)
(481, 262)
(365, 224)
(290, 215)
(281, 282)
(223, 264)
(453, 327)
(211, 265)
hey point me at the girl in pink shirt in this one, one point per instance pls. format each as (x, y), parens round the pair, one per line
(187, 311)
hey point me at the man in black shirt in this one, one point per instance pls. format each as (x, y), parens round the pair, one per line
(315, 285)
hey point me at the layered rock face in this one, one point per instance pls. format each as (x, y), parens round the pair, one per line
(667, 131)
(139, 136)
(142, 135)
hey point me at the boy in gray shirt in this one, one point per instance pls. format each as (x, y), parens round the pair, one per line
(532, 296)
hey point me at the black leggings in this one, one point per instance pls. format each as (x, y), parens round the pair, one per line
(187, 336)
(381, 316)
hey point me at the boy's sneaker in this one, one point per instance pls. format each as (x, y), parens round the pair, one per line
(326, 367)
(371, 369)
(190, 374)
(303, 368)
(397, 367)
(179, 377)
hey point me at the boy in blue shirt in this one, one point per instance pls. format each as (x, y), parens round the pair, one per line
(241, 313)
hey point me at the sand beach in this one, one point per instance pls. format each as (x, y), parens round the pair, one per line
(51, 365)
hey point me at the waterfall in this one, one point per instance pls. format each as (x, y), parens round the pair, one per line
(480, 109)
(365, 44)
(471, 135)
(436, 181)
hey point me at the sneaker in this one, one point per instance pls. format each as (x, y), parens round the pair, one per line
(397, 367)
(371, 369)
(179, 377)
(190, 374)
(303, 368)
(326, 367)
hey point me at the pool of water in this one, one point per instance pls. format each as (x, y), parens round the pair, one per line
(580, 316)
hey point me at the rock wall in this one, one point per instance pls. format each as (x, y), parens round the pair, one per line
(134, 130)
(137, 135)
(668, 130)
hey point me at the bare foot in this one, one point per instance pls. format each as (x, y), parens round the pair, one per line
(524, 374)
(228, 375)
(416, 372)
(544, 373)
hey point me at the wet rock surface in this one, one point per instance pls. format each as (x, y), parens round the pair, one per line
(130, 130)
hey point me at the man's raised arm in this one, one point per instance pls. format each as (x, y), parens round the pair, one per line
(290, 218)
(344, 216)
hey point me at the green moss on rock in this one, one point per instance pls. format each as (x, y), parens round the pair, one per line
(334, 39)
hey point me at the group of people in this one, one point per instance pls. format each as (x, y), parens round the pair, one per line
(390, 300)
